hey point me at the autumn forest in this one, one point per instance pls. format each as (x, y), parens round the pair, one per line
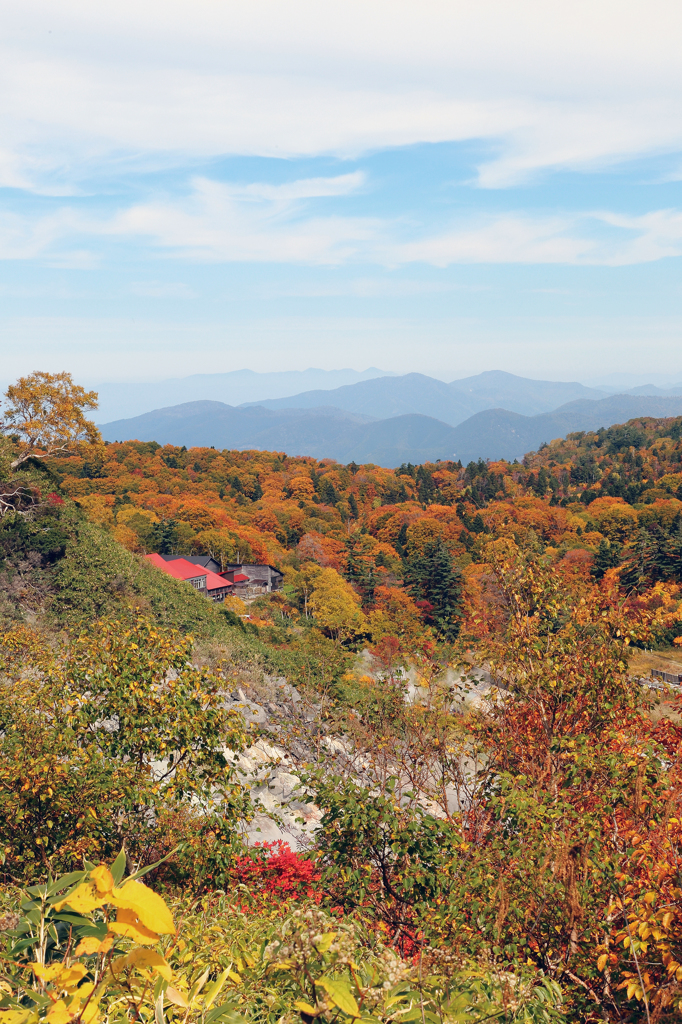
(435, 776)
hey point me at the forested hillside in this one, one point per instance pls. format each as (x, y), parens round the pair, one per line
(443, 712)
(607, 502)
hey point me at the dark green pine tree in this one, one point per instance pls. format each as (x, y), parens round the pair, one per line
(401, 540)
(432, 576)
(164, 537)
(426, 488)
(328, 491)
(477, 524)
(353, 505)
(542, 483)
(637, 572)
(667, 557)
(360, 571)
(607, 557)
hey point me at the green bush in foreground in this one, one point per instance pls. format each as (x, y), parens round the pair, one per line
(92, 946)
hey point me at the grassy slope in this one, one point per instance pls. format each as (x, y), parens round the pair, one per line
(98, 577)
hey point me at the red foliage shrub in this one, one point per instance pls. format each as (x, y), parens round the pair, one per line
(274, 870)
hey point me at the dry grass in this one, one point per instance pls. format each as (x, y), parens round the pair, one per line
(668, 659)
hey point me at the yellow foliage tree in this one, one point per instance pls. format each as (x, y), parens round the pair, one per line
(396, 615)
(45, 410)
(235, 604)
(335, 605)
(99, 508)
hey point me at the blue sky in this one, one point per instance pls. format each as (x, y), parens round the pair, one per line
(422, 185)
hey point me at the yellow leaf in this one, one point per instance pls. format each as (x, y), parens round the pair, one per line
(90, 1014)
(300, 1004)
(148, 905)
(140, 958)
(82, 993)
(325, 942)
(118, 965)
(58, 1013)
(602, 961)
(176, 997)
(215, 989)
(128, 923)
(340, 994)
(103, 878)
(87, 946)
(233, 976)
(46, 973)
(83, 899)
(65, 977)
(650, 897)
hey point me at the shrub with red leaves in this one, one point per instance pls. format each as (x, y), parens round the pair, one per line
(274, 870)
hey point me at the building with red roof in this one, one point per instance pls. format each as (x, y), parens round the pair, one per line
(203, 580)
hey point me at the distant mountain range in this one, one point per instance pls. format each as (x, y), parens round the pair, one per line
(370, 392)
(237, 387)
(337, 433)
(452, 403)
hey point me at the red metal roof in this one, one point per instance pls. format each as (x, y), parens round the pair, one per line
(184, 570)
(240, 578)
(214, 581)
(178, 568)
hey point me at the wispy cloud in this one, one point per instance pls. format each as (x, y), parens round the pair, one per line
(254, 223)
(552, 86)
(277, 224)
(219, 222)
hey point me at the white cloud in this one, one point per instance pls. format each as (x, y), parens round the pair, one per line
(256, 223)
(262, 223)
(271, 224)
(574, 85)
(25, 237)
(581, 239)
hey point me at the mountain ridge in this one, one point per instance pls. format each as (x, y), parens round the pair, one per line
(119, 401)
(452, 402)
(328, 432)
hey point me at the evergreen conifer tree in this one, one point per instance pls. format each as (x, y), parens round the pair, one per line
(607, 557)
(401, 540)
(432, 576)
(638, 570)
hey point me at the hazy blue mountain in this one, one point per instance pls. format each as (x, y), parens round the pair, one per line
(215, 424)
(411, 438)
(622, 381)
(651, 389)
(117, 401)
(327, 432)
(499, 434)
(452, 403)
(496, 389)
(322, 432)
(385, 397)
